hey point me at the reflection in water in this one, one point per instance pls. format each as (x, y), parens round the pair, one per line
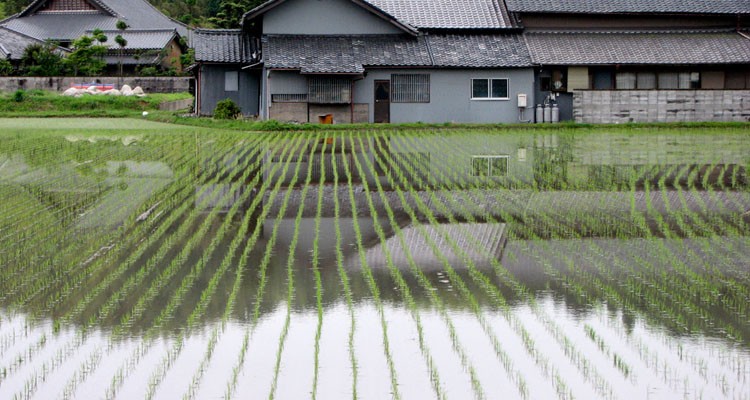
(598, 266)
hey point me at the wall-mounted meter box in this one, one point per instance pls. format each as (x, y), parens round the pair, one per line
(522, 100)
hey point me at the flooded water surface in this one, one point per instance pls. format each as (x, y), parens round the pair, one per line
(158, 262)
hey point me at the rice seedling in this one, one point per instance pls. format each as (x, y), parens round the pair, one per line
(171, 248)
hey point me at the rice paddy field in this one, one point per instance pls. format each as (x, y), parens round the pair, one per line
(141, 260)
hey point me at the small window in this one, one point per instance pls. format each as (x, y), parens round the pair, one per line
(329, 90)
(646, 80)
(489, 165)
(410, 88)
(489, 89)
(231, 81)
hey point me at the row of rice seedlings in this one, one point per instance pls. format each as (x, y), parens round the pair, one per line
(129, 365)
(546, 367)
(316, 272)
(65, 253)
(79, 339)
(208, 292)
(607, 267)
(343, 275)
(164, 235)
(37, 235)
(297, 147)
(370, 280)
(406, 292)
(72, 274)
(601, 385)
(28, 359)
(290, 270)
(188, 282)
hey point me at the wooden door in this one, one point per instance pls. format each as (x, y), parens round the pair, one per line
(382, 102)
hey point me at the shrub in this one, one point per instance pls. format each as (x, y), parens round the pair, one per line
(227, 109)
(19, 96)
(6, 68)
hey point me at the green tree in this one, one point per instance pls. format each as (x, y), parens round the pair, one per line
(122, 42)
(231, 11)
(42, 59)
(87, 57)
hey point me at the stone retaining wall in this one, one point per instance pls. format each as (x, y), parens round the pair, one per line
(622, 106)
(60, 84)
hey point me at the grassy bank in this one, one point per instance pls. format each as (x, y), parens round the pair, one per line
(39, 103)
(274, 126)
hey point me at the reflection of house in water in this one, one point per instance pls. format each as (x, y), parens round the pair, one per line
(604, 161)
(436, 160)
(222, 182)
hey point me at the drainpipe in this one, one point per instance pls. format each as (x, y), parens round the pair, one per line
(268, 95)
(198, 90)
(351, 103)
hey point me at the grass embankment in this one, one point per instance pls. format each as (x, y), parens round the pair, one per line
(272, 125)
(43, 104)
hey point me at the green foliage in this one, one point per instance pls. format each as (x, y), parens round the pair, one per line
(231, 11)
(6, 68)
(42, 59)
(121, 25)
(86, 59)
(19, 96)
(227, 109)
(42, 103)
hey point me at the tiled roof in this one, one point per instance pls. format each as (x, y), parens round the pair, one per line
(140, 40)
(138, 14)
(343, 54)
(12, 44)
(447, 14)
(645, 47)
(631, 6)
(430, 14)
(224, 45)
(477, 51)
(351, 54)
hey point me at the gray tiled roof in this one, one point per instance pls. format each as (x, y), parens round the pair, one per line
(432, 14)
(138, 14)
(477, 51)
(343, 54)
(140, 40)
(224, 45)
(646, 47)
(351, 54)
(631, 6)
(447, 14)
(12, 44)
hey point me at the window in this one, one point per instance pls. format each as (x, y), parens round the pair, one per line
(231, 81)
(489, 89)
(625, 80)
(669, 80)
(489, 165)
(325, 90)
(646, 80)
(410, 88)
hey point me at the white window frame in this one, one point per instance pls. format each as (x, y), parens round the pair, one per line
(489, 89)
(490, 160)
(231, 81)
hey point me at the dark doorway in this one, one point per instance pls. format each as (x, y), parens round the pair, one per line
(382, 102)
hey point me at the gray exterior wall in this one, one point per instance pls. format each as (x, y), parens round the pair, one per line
(621, 106)
(450, 96)
(212, 89)
(323, 17)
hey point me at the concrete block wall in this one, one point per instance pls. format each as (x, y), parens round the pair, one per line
(622, 106)
(149, 84)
